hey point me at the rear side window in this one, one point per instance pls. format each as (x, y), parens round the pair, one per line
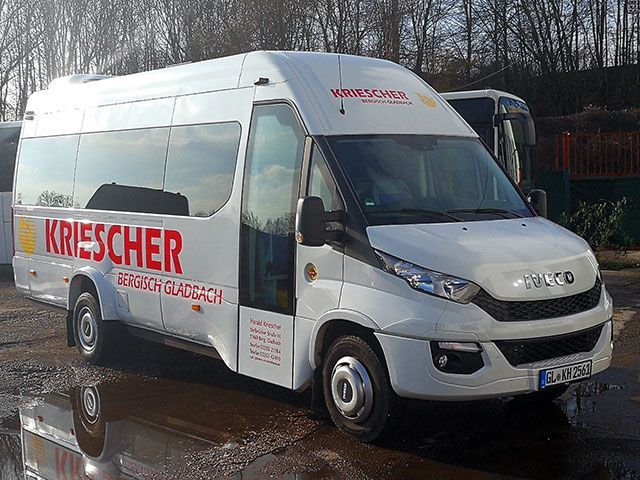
(201, 164)
(123, 171)
(45, 171)
(8, 145)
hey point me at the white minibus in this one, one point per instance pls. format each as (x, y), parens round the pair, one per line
(310, 219)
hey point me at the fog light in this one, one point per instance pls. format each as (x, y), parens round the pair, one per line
(462, 358)
(442, 361)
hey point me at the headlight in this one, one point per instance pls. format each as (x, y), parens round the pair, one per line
(428, 281)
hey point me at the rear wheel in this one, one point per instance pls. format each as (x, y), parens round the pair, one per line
(89, 421)
(96, 339)
(356, 388)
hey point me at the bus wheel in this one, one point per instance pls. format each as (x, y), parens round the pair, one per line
(93, 336)
(88, 421)
(356, 389)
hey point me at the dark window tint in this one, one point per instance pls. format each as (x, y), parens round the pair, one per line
(475, 110)
(123, 171)
(8, 145)
(45, 171)
(201, 165)
(271, 189)
(478, 112)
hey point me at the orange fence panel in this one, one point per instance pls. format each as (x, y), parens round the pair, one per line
(615, 154)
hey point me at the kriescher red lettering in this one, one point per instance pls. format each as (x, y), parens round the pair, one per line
(124, 245)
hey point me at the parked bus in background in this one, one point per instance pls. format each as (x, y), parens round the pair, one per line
(9, 136)
(504, 123)
(310, 219)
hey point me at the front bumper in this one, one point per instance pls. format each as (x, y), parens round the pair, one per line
(413, 374)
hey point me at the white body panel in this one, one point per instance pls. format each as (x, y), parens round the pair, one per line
(488, 92)
(180, 276)
(266, 346)
(492, 253)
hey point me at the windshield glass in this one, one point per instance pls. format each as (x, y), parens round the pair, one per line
(423, 179)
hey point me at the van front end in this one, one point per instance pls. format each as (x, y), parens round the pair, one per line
(528, 322)
(472, 355)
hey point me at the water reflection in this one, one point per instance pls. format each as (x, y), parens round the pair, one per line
(153, 430)
(584, 399)
(171, 429)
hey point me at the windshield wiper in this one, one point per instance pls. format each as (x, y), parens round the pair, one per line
(498, 211)
(420, 211)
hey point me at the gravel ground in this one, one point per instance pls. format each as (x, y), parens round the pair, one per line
(173, 414)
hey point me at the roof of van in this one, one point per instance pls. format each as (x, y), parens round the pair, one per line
(487, 92)
(334, 93)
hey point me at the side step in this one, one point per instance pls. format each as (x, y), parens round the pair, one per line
(173, 341)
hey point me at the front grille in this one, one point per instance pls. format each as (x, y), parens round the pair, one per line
(518, 352)
(507, 311)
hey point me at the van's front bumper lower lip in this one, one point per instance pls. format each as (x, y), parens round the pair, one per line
(413, 374)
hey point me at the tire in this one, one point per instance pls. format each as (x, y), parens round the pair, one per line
(89, 423)
(356, 389)
(95, 339)
(547, 395)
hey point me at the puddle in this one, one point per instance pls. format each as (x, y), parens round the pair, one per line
(10, 450)
(162, 429)
(242, 429)
(583, 399)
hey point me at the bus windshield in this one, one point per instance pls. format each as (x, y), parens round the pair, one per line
(426, 179)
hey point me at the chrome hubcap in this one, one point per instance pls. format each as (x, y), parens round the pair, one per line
(91, 404)
(352, 389)
(87, 329)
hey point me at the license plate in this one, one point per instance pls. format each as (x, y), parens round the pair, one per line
(565, 374)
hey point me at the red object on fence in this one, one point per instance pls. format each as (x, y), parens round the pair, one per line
(615, 154)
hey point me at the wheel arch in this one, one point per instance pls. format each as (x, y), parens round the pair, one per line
(89, 279)
(334, 324)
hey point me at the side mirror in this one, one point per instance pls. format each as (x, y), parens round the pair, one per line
(312, 221)
(538, 200)
(528, 126)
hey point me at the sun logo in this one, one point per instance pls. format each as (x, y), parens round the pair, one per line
(27, 235)
(428, 101)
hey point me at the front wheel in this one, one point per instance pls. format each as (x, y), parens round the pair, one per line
(356, 388)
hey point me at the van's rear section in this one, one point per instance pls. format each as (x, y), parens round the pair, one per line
(311, 220)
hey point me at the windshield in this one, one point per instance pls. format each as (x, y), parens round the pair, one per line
(423, 179)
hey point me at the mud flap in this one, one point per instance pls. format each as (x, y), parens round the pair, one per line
(317, 395)
(71, 341)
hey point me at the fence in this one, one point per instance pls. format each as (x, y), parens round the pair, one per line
(598, 155)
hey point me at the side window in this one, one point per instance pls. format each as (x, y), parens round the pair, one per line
(321, 183)
(270, 195)
(45, 171)
(124, 171)
(8, 145)
(201, 164)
